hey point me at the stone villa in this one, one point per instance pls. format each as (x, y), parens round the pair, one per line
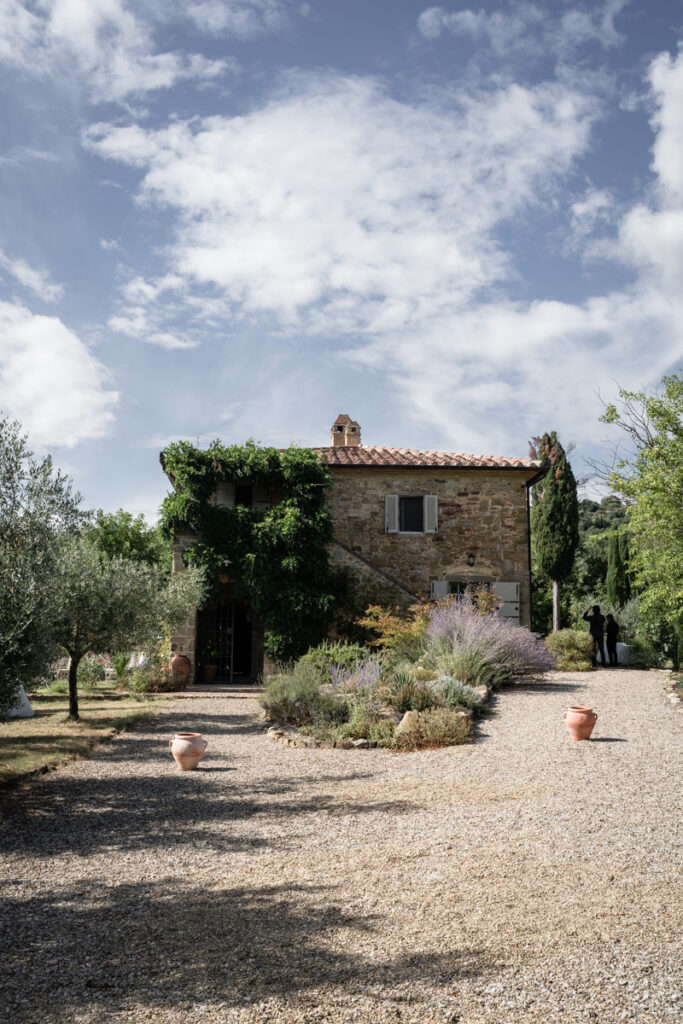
(429, 523)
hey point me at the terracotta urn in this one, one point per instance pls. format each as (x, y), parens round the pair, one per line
(181, 665)
(187, 748)
(580, 722)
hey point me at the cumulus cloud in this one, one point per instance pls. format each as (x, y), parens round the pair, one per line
(37, 281)
(103, 41)
(651, 237)
(50, 380)
(338, 208)
(338, 211)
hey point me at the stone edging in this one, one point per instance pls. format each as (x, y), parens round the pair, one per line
(289, 737)
(292, 738)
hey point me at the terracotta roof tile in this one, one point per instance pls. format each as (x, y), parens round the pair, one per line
(371, 455)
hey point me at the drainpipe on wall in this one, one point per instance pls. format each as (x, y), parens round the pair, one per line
(528, 548)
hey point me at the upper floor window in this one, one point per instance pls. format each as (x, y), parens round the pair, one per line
(230, 493)
(411, 513)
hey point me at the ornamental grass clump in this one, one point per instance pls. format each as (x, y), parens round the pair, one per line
(298, 697)
(481, 649)
(405, 693)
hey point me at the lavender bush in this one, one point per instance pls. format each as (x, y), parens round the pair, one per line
(482, 649)
(361, 677)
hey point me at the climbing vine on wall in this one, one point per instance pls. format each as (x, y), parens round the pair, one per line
(278, 555)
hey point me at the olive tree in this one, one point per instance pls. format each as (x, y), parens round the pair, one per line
(37, 507)
(109, 604)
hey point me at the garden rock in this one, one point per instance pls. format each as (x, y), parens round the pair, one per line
(361, 743)
(408, 722)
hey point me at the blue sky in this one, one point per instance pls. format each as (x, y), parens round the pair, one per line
(238, 218)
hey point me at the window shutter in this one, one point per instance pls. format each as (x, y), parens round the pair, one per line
(440, 588)
(391, 513)
(431, 514)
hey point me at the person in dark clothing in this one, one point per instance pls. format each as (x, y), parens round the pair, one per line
(596, 622)
(611, 634)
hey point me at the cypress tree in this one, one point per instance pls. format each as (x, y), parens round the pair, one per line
(554, 516)
(624, 556)
(617, 581)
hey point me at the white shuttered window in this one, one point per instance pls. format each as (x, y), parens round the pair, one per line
(404, 513)
(431, 513)
(391, 513)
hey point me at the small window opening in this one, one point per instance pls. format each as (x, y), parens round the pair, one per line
(411, 515)
(243, 495)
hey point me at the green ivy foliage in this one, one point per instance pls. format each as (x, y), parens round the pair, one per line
(278, 556)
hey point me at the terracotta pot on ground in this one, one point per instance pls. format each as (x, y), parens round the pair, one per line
(209, 673)
(580, 722)
(187, 749)
(181, 665)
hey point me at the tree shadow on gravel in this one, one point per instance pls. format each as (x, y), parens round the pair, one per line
(105, 950)
(86, 814)
(549, 687)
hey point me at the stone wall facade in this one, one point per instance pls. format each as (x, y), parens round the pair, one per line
(482, 514)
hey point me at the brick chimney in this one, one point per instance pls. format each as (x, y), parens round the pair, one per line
(345, 432)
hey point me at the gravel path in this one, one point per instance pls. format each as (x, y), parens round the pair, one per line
(524, 878)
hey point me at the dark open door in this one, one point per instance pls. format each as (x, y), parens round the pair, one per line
(224, 646)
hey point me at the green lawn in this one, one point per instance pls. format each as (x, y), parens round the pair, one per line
(28, 744)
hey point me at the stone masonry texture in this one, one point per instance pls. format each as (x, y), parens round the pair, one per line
(480, 512)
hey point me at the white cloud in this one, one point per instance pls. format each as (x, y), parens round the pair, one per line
(337, 208)
(652, 237)
(339, 211)
(101, 40)
(589, 214)
(110, 245)
(526, 29)
(241, 18)
(50, 380)
(37, 281)
(20, 155)
(506, 363)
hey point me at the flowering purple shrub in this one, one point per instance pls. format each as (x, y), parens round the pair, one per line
(482, 649)
(362, 676)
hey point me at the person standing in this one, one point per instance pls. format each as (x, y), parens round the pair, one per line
(611, 634)
(596, 623)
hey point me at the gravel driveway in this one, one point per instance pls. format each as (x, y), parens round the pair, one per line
(523, 878)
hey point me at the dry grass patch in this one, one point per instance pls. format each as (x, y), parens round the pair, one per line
(49, 738)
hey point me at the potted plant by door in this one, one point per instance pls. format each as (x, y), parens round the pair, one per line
(210, 666)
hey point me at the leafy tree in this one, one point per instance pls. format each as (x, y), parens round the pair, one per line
(618, 589)
(37, 505)
(109, 604)
(650, 477)
(554, 516)
(119, 534)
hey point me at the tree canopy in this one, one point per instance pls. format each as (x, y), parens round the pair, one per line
(650, 478)
(37, 507)
(119, 534)
(109, 604)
